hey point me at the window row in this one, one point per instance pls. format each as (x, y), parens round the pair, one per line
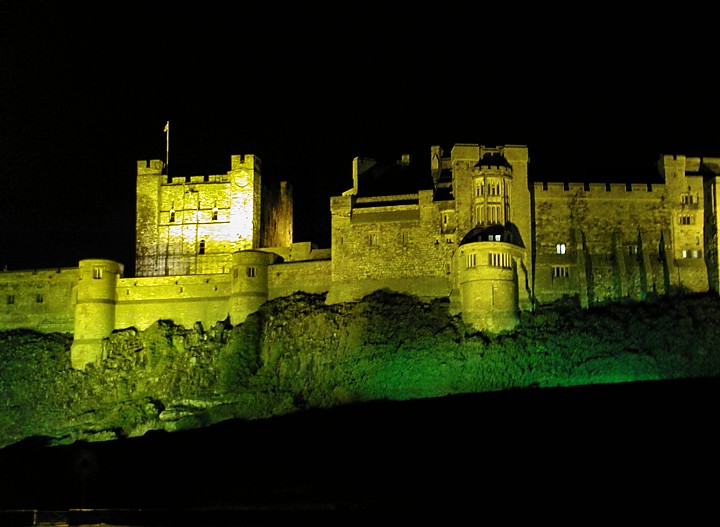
(491, 187)
(249, 272)
(692, 253)
(10, 299)
(213, 215)
(503, 260)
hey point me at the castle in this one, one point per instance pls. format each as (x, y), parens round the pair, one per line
(470, 226)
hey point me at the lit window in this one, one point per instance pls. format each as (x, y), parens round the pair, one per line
(685, 253)
(697, 253)
(498, 237)
(560, 248)
(471, 260)
(251, 272)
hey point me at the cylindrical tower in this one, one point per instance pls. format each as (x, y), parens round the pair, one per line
(488, 281)
(249, 286)
(94, 309)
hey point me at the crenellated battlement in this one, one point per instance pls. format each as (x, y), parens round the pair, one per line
(216, 247)
(598, 190)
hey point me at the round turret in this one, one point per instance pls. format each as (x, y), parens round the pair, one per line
(94, 309)
(249, 286)
(487, 279)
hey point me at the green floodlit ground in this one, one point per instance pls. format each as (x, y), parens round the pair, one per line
(298, 353)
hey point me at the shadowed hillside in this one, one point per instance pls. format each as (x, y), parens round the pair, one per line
(297, 353)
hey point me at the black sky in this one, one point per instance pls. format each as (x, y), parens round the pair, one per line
(85, 93)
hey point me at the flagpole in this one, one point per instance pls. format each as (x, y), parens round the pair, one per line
(167, 147)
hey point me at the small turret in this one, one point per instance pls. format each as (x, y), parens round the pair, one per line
(249, 287)
(94, 309)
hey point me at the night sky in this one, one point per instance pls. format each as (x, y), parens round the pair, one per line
(85, 93)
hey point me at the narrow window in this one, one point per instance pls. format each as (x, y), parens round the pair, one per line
(172, 216)
(215, 214)
(251, 272)
(560, 248)
(498, 237)
(201, 249)
(445, 219)
(374, 239)
(684, 253)
(97, 273)
(404, 238)
(11, 299)
(560, 271)
(685, 219)
(39, 298)
(235, 273)
(470, 260)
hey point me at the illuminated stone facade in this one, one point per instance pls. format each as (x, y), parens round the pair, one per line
(471, 227)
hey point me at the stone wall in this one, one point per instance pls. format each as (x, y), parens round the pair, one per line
(42, 299)
(390, 242)
(183, 299)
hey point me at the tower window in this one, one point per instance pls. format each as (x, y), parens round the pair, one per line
(215, 213)
(686, 219)
(39, 298)
(172, 216)
(250, 271)
(471, 261)
(560, 271)
(374, 239)
(97, 273)
(10, 299)
(201, 249)
(561, 248)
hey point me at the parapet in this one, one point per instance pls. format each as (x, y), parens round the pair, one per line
(246, 161)
(154, 166)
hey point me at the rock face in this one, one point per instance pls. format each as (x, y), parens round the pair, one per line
(298, 353)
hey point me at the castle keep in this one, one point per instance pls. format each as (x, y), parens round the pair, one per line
(471, 226)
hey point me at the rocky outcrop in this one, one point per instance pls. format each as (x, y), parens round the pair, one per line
(298, 353)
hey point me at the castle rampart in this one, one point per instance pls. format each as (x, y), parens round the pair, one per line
(215, 248)
(38, 299)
